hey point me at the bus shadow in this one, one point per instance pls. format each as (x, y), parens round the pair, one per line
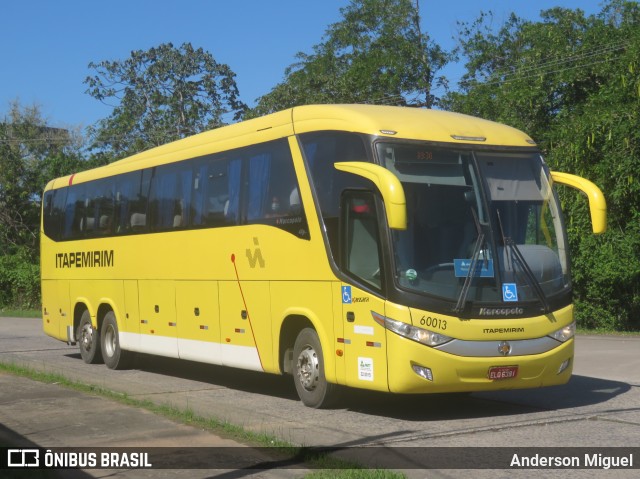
(581, 391)
(232, 378)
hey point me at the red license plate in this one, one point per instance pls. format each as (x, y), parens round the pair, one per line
(502, 372)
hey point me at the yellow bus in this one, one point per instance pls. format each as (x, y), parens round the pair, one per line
(384, 248)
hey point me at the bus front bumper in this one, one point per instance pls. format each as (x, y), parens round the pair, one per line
(420, 369)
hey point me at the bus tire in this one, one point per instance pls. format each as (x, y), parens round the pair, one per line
(308, 371)
(89, 340)
(114, 357)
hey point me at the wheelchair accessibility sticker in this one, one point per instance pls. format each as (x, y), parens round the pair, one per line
(346, 294)
(509, 292)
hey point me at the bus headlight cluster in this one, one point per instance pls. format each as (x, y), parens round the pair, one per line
(565, 334)
(424, 336)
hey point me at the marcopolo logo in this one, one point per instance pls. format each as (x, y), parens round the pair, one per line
(501, 312)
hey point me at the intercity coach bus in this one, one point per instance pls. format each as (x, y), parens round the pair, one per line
(385, 248)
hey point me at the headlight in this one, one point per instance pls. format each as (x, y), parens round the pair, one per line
(424, 336)
(565, 333)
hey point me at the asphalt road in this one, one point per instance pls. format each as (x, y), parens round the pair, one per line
(598, 408)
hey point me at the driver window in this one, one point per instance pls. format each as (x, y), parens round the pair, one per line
(361, 245)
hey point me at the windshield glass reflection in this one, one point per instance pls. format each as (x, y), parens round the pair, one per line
(476, 221)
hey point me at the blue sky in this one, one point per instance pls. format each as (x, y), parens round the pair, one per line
(46, 45)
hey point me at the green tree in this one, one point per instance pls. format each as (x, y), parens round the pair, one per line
(31, 154)
(573, 82)
(160, 95)
(377, 53)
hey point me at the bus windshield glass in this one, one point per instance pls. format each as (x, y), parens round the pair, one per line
(483, 227)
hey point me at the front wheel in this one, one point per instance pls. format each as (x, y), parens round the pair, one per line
(114, 356)
(308, 371)
(89, 340)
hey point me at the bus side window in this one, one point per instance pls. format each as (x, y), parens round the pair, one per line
(127, 186)
(103, 207)
(272, 190)
(170, 196)
(75, 211)
(216, 192)
(54, 202)
(322, 150)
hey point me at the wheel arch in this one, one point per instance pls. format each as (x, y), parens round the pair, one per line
(103, 309)
(82, 305)
(293, 323)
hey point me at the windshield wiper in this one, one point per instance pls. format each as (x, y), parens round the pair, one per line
(462, 299)
(531, 278)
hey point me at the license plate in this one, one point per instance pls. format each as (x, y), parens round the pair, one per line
(502, 372)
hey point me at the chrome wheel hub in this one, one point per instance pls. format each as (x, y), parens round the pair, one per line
(86, 337)
(110, 341)
(308, 368)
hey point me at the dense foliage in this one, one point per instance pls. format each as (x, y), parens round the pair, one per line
(31, 154)
(572, 81)
(161, 95)
(376, 54)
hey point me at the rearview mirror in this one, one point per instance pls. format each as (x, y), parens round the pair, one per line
(389, 186)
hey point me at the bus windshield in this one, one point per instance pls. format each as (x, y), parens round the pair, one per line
(483, 227)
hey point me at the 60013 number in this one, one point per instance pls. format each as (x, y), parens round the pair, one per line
(430, 322)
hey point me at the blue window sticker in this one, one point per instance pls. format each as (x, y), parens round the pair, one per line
(509, 292)
(484, 268)
(346, 294)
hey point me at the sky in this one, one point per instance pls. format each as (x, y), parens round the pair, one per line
(47, 45)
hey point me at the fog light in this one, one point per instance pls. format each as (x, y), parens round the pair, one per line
(422, 372)
(564, 365)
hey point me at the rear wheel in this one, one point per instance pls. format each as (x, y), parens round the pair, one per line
(114, 356)
(308, 372)
(89, 340)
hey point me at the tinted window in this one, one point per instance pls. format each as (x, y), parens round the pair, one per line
(321, 151)
(53, 212)
(127, 192)
(272, 190)
(75, 209)
(324, 149)
(255, 185)
(100, 211)
(170, 196)
(216, 191)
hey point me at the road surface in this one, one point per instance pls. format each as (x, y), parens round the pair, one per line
(599, 407)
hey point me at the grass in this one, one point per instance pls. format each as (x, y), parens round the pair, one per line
(20, 313)
(186, 416)
(327, 467)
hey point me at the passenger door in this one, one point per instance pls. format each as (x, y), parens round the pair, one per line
(364, 339)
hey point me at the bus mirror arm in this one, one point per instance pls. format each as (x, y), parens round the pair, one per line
(389, 186)
(597, 203)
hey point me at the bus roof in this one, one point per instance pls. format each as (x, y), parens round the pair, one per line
(411, 123)
(382, 121)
